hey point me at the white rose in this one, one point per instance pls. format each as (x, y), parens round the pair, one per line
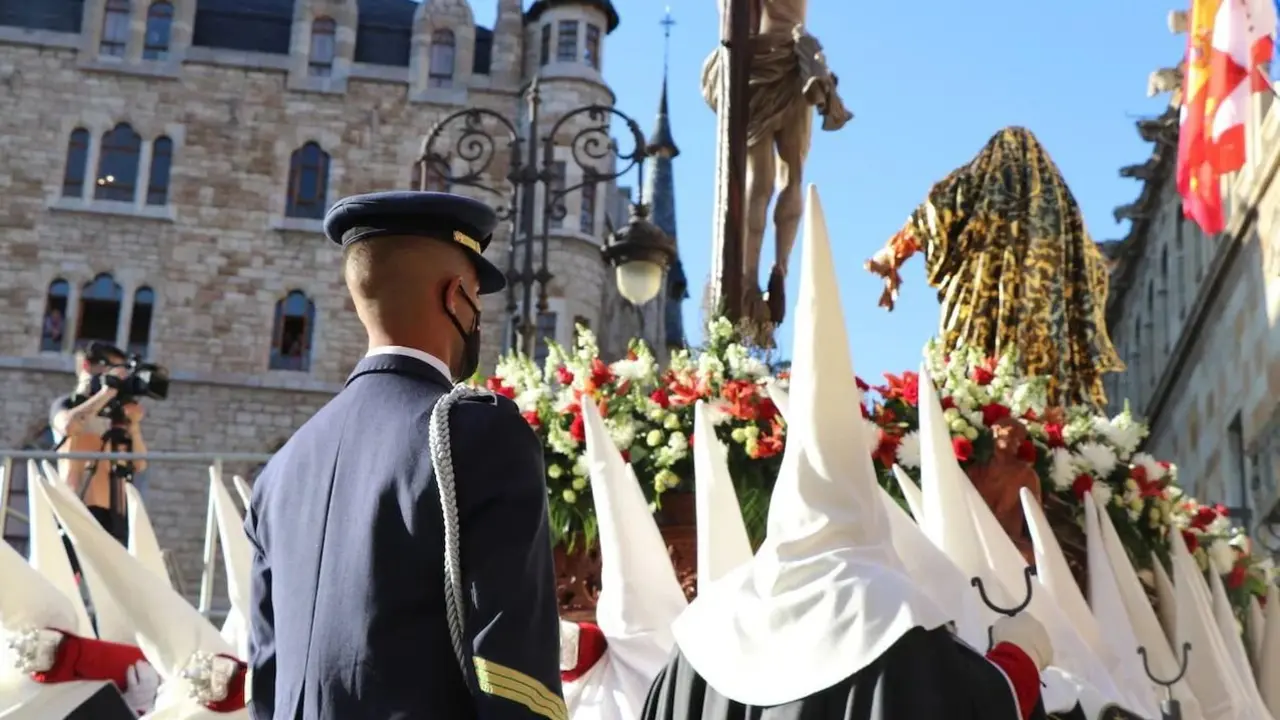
(1222, 557)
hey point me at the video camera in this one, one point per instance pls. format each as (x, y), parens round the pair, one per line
(144, 379)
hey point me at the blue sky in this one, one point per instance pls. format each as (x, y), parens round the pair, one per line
(928, 82)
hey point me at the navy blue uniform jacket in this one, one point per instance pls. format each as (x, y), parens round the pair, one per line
(348, 614)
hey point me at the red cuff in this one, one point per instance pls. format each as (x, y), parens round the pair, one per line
(90, 659)
(234, 700)
(591, 647)
(1022, 673)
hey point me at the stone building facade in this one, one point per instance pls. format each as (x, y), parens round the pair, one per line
(168, 163)
(1194, 317)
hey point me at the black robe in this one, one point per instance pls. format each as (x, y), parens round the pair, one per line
(926, 675)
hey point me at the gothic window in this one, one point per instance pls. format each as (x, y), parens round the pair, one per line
(587, 213)
(1135, 354)
(118, 164)
(567, 41)
(77, 163)
(323, 47)
(159, 28)
(443, 52)
(53, 326)
(144, 303)
(555, 197)
(115, 29)
(591, 53)
(544, 51)
(291, 338)
(158, 177)
(1179, 243)
(99, 310)
(308, 182)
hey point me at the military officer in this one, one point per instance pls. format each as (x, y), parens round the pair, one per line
(402, 560)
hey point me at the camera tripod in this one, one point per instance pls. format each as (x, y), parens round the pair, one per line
(115, 440)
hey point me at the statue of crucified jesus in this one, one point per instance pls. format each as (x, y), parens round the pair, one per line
(789, 77)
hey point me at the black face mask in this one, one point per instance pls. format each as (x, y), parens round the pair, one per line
(470, 339)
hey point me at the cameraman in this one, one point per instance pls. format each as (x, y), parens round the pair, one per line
(82, 422)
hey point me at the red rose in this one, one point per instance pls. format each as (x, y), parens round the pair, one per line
(982, 376)
(690, 439)
(962, 448)
(577, 428)
(1236, 578)
(1081, 485)
(564, 376)
(1030, 415)
(498, 387)
(531, 417)
(886, 452)
(948, 403)
(626, 454)
(661, 397)
(601, 374)
(1027, 451)
(1053, 435)
(1204, 517)
(994, 413)
(1191, 540)
(911, 388)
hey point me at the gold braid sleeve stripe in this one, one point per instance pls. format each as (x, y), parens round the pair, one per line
(508, 684)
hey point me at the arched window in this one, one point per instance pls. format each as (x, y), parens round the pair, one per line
(443, 52)
(308, 182)
(155, 45)
(544, 49)
(587, 209)
(291, 337)
(323, 47)
(99, 310)
(591, 51)
(158, 177)
(115, 29)
(144, 303)
(77, 163)
(118, 164)
(54, 325)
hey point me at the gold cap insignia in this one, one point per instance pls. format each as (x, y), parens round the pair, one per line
(466, 241)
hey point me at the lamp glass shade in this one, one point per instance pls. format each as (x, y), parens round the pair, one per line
(639, 281)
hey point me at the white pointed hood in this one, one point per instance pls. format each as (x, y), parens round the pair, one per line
(1209, 669)
(1115, 631)
(237, 558)
(723, 544)
(911, 493)
(1230, 633)
(781, 399)
(1104, 543)
(169, 631)
(143, 544)
(932, 570)
(826, 593)
(639, 594)
(1165, 597)
(1056, 578)
(30, 602)
(1269, 663)
(112, 624)
(48, 554)
(243, 489)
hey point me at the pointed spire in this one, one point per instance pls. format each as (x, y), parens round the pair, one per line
(639, 594)
(661, 142)
(723, 545)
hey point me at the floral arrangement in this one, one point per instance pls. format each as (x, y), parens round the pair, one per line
(649, 413)
(1074, 451)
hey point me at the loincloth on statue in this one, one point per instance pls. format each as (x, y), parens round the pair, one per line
(787, 67)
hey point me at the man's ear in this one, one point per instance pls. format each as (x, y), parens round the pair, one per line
(452, 286)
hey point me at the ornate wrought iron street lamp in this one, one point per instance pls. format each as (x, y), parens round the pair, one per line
(478, 137)
(640, 253)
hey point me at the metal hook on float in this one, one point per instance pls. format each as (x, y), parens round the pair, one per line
(1027, 574)
(1170, 709)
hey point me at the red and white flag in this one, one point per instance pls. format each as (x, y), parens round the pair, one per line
(1229, 43)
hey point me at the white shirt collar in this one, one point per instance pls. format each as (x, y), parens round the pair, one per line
(416, 354)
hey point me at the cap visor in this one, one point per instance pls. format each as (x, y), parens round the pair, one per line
(491, 279)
